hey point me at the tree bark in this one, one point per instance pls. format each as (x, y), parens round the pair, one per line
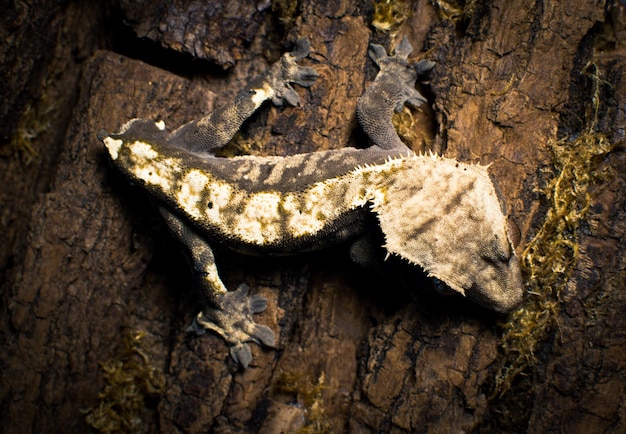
(96, 297)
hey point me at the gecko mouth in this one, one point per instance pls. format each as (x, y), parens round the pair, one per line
(502, 294)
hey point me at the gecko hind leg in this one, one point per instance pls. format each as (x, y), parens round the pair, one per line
(393, 87)
(227, 313)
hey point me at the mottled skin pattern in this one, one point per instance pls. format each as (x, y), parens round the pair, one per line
(439, 214)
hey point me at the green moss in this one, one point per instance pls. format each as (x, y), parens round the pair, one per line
(308, 393)
(455, 10)
(130, 379)
(550, 257)
(239, 146)
(285, 10)
(35, 121)
(390, 14)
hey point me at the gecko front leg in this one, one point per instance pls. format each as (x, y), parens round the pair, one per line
(218, 127)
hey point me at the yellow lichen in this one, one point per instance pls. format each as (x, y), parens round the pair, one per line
(455, 10)
(285, 10)
(309, 394)
(404, 124)
(415, 135)
(239, 146)
(550, 257)
(35, 122)
(390, 14)
(130, 379)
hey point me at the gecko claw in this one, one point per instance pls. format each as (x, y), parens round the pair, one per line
(404, 48)
(423, 66)
(241, 354)
(301, 49)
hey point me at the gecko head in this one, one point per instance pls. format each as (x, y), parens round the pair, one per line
(449, 221)
(135, 130)
(397, 68)
(488, 273)
(499, 286)
(142, 153)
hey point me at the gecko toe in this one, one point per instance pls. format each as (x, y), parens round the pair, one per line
(258, 304)
(241, 354)
(301, 49)
(264, 335)
(423, 66)
(287, 95)
(304, 76)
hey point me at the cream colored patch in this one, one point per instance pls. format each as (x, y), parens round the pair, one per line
(259, 222)
(113, 146)
(143, 150)
(275, 176)
(189, 196)
(312, 211)
(160, 125)
(152, 175)
(151, 168)
(253, 174)
(269, 216)
(220, 196)
(311, 165)
(262, 95)
(303, 216)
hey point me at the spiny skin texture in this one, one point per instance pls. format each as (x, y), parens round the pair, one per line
(439, 214)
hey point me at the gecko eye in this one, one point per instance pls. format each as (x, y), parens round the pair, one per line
(441, 287)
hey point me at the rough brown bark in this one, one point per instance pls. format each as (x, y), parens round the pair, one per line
(355, 352)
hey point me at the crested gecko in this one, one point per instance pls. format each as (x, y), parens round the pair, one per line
(438, 214)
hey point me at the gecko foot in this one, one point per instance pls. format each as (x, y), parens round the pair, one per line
(287, 71)
(233, 321)
(397, 68)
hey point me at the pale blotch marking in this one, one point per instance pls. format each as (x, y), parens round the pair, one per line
(311, 211)
(262, 95)
(220, 196)
(276, 175)
(311, 165)
(259, 222)
(148, 166)
(143, 150)
(189, 197)
(113, 146)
